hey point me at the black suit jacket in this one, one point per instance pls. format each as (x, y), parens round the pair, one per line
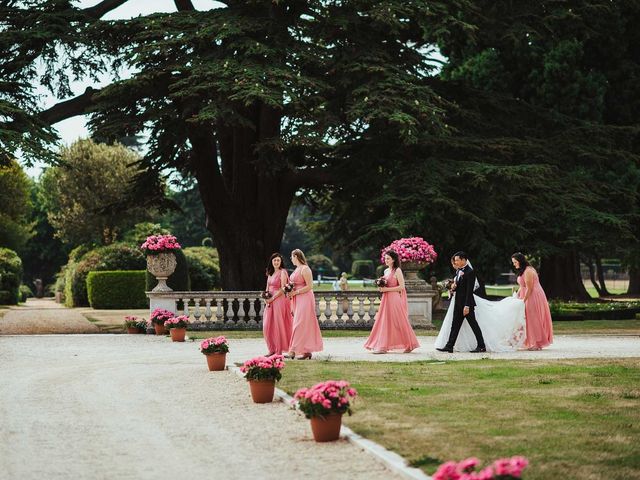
(464, 290)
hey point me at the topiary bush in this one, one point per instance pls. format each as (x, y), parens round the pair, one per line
(179, 280)
(362, 269)
(117, 289)
(204, 268)
(320, 264)
(10, 277)
(25, 292)
(380, 270)
(117, 256)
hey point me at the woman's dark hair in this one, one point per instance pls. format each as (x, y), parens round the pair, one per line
(270, 269)
(522, 261)
(394, 256)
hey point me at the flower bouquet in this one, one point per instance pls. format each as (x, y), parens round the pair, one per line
(324, 404)
(177, 327)
(134, 324)
(262, 373)
(288, 288)
(157, 319)
(381, 282)
(266, 295)
(412, 249)
(156, 244)
(216, 349)
(501, 469)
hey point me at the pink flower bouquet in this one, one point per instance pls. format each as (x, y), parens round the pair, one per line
(214, 345)
(332, 396)
(413, 249)
(160, 315)
(501, 469)
(263, 368)
(155, 244)
(181, 321)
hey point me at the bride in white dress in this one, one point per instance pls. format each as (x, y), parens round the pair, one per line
(502, 324)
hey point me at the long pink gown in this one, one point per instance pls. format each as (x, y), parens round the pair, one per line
(392, 330)
(277, 320)
(537, 313)
(306, 337)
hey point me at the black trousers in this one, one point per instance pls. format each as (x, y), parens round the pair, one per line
(456, 324)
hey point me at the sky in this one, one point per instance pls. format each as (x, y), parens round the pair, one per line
(75, 127)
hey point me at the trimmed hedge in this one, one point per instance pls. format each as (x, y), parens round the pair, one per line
(117, 289)
(117, 256)
(362, 269)
(10, 277)
(179, 280)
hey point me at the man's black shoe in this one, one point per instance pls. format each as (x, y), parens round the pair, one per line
(445, 349)
(479, 350)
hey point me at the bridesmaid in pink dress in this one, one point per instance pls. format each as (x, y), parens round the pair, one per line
(392, 330)
(277, 320)
(306, 337)
(536, 306)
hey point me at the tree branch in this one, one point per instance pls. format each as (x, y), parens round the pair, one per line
(311, 178)
(68, 108)
(184, 5)
(104, 7)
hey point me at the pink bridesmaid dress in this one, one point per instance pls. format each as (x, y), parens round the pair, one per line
(277, 320)
(392, 330)
(537, 313)
(306, 337)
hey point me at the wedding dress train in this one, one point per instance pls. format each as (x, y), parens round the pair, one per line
(502, 324)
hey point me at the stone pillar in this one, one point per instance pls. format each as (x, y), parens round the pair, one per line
(420, 296)
(160, 301)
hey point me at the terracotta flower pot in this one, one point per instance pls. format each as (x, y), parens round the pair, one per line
(326, 429)
(177, 334)
(133, 330)
(216, 361)
(159, 328)
(262, 390)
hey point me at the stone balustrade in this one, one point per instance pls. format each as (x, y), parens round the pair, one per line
(218, 310)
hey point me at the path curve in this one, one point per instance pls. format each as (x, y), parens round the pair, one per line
(44, 316)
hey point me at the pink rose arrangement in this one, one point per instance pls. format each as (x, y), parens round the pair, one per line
(412, 249)
(263, 368)
(332, 396)
(214, 345)
(155, 244)
(181, 321)
(501, 469)
(160, 315)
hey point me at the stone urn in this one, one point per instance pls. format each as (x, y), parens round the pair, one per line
(420, 295)
(161, 265)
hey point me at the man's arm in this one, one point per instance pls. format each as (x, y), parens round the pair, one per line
(470, 278)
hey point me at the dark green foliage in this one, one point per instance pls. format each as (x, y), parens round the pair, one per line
(10, 276)
(25, 292)
(118, 256)
(188, 222)
(15, 202)
(321, 264)
(117, 289)
(380, 270)
(362, 269)
(204, 268)
(179, 279)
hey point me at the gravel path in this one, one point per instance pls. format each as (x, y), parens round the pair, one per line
(141, 407)
(44, 316)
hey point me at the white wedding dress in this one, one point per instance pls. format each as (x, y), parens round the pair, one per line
(502, 324)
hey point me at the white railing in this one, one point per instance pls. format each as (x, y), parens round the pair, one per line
(217, 310)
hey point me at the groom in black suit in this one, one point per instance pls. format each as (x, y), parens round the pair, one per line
(464, 306)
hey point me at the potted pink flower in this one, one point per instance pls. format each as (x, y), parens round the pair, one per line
(501, 469)
(412, 250)
(157, 319)
(215, 349)
(161, 259)
(177, 327)
(262, 373)
(134, 325)
(324, 404)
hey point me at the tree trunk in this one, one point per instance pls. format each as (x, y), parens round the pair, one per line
(245, 200)
(634, 282)
(592, 276)
(560, 277)
(603, 286)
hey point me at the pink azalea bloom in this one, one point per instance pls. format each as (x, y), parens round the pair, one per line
(468, 465)
(502, 466)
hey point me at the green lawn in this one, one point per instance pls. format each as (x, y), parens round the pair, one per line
(574, 419)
